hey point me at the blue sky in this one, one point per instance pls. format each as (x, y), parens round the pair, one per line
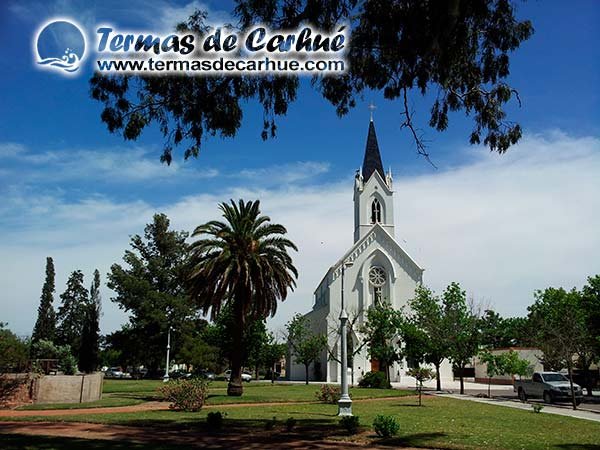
(74, 191)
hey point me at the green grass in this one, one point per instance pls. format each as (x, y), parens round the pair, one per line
(441, 423)
(133, 392)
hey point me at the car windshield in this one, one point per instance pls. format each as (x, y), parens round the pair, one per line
(554, 377)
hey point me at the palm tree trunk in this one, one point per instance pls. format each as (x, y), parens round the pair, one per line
(235, 388)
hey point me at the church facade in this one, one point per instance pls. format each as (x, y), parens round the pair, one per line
(375, 269)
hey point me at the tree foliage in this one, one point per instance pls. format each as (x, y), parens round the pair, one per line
(305, 345)
(149, 287)
(382, 333)
(426, 330)
(45, 325)
(72, 312)
(242, 263)
(462, 326)
(14, 351)
(456, 53)
(90, 334)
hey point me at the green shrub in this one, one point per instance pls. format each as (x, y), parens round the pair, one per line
(375, 380)
(214, 420)
(290, 423)
(350, 423)
(386, 426)
(270, 424)
(185, 395)
(537, 408)
(328, 394)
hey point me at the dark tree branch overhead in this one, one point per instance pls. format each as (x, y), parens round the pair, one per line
(459, 48)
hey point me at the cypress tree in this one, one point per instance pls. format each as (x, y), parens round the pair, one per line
(90, 334)
(45, 325)
(72, 312)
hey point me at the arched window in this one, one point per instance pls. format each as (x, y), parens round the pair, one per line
(375, 211)
(377, 278)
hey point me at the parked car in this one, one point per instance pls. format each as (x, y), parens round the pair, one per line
(179, 375)
(206, 374)
(114, 372)
(245, 376)
(551, 386)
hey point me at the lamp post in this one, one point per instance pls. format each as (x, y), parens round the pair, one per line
(166, 376)
(345, 402)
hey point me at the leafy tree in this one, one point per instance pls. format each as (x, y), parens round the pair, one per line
(305, 346)
(45, 325)
(507, 363)
(382, 333)
(560, 329)
(461, 325)
(498, 332)
(197, 352)
(590, 305)
(221, 335)
(457, 51)
(67, 363)
(72, 312)
(14, 351)
(149, 287)
(272, 353)
(426, 331)
(244, 263)
(90, 333)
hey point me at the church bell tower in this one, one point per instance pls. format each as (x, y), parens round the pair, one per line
(373, 194)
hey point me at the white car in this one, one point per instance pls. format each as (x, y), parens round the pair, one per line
(245, 376)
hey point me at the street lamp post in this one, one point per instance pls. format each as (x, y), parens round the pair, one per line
(166, 377)
(345, 402)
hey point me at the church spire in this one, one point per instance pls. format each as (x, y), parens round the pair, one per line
(372, 161)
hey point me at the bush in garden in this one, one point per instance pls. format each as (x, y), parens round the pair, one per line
(328, 394)
(270, 424)
(386, 426)
(350, 423)
(185, 395)
(537, 408)
(375, 380)
(290, 423)
(214, 420)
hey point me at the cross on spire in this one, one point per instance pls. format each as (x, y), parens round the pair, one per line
(372, 108)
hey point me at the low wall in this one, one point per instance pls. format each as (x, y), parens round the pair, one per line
(68, 388)
(23, 388)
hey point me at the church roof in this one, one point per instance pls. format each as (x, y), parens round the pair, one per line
(372, 161)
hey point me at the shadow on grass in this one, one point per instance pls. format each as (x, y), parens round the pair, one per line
(411, 440)
(579, 446)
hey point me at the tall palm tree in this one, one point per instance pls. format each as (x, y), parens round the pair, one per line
(244, 263)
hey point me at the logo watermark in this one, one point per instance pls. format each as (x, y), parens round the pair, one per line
(60, 44)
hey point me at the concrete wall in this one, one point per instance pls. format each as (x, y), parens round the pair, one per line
(68, 388)
(533, 355)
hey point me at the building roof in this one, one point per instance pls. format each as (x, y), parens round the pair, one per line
(372, 161)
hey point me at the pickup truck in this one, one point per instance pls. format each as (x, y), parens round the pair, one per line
(551, 386)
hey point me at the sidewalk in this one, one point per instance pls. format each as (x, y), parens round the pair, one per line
(579, 414)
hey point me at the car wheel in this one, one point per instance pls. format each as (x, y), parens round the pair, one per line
(548, 397)
(522, 395)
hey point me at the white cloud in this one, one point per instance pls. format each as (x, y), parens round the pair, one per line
(501, 225)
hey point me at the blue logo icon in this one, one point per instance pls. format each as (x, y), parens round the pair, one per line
(60, 45)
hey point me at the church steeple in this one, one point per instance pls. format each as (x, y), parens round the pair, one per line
(372, 160)
(373, 196)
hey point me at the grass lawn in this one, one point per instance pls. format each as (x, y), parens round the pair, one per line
(133, 392)
(441, 423)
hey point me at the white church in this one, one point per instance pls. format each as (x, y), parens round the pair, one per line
(376, 269)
